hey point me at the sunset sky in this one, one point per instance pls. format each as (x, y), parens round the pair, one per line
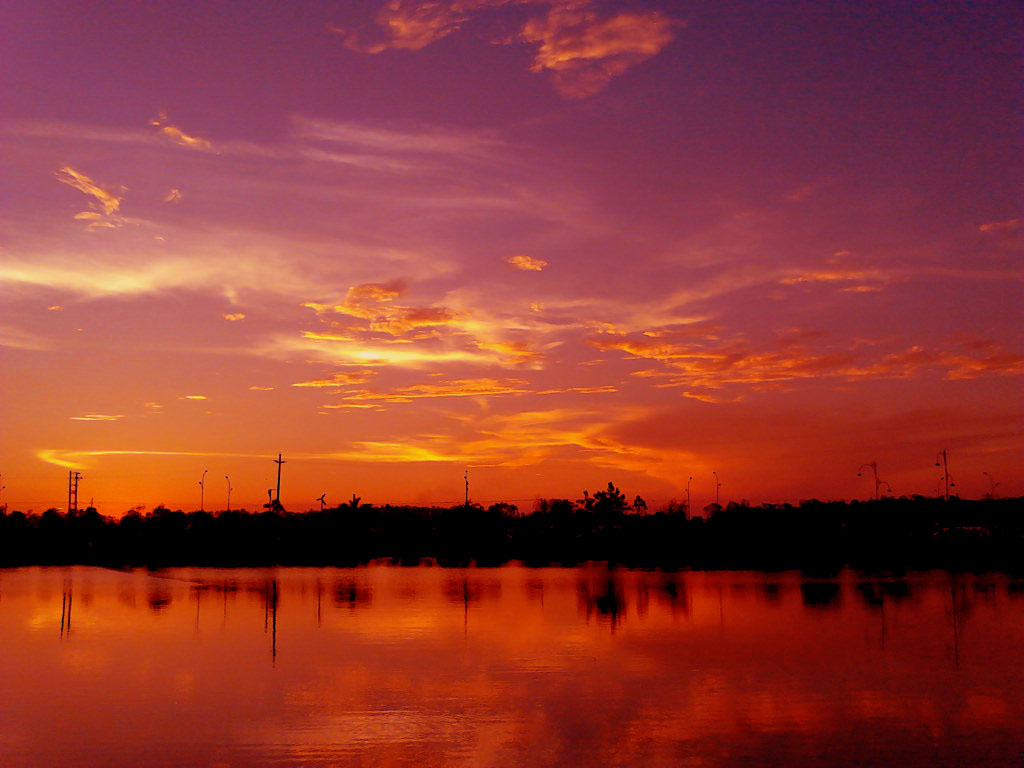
(555, 242)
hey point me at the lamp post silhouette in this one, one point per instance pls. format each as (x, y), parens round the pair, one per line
(229, 491)
(873, 466)
(202, 490)
(1, 491)
(466, 477)
(279, 461)
(690, 480)
(992, 485)
(946, 477)
(718, 485)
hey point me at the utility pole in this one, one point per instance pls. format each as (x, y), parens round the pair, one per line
(73, 478)
(466, 477)
(687, 516)
(229, 491)
(279, 461)
(3, 508)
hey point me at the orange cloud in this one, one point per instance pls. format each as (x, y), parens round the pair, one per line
(173, 196)
(342, 379)
(233, 317)
(1009, 225)
(482, 387)
(105, 209)
(177, 135)
(96, 417)
(527, 263)
(582, 46)
(584, 49)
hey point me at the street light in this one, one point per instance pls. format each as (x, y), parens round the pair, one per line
(229, 491)
(873, 466)
(202, 490)
(947, 479)
(688, 496)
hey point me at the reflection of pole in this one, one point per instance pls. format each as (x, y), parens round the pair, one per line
(279, 461)
(945, 472)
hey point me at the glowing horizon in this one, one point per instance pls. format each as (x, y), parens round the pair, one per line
(556, 242)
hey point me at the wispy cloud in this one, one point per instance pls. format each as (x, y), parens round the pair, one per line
(340, 379)
(711, 363)
(16, 338)
(179, 136)
(106, 205)
(527, 263)
(1009, 225)
(173, 196)
(97, 417)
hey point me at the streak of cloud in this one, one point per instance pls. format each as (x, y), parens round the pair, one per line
(179, 136)
(106, 205)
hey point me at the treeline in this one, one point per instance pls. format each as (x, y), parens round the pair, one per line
(816, 536)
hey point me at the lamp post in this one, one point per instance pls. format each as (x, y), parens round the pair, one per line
(873, 466)
(229, 491)
(946, 478)
(202, 491)
(718, 485)
(688, 497)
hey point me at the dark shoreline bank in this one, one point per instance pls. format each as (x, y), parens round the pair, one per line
(815, 537)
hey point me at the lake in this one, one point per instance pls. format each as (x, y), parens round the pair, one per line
(425, 666)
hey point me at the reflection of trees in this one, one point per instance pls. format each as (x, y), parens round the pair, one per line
(821, 594)
(602, 597)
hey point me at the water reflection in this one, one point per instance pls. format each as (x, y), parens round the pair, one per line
(509, 666)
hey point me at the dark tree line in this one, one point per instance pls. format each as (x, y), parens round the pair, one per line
(815, 536)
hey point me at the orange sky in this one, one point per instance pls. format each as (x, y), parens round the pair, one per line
(554, 242)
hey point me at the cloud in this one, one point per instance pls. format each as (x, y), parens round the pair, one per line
(261, 388)
(341, 379)
(177, 135)
(193, 397)
(710, 363)
(15, 338)
(580, 43)
(480, 387)
(96, 417)
(584, 49)
(527, 263)
(105, 209)
(173, 196)
(233, 317)
(1010, 225)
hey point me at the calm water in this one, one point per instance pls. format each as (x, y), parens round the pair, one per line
(385, 666)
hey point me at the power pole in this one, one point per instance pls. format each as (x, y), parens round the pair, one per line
(73, 478)
(466, 477)
(279, 461)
